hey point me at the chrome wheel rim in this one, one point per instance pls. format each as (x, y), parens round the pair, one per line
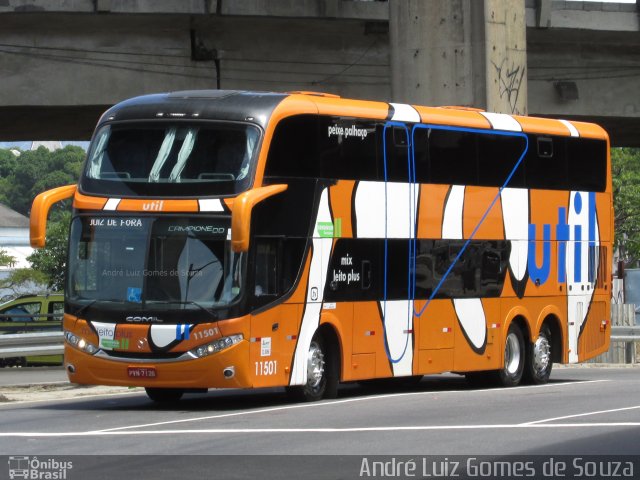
(315, 365)
(512, 354)
(541, 354)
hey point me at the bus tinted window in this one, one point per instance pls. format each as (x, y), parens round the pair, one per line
(293, 151)
(396, 167)
(454, 157)
(498, 156)
(311, 146)
(387, 269)
(546, 164)
(467, 158)
(587, 164)
(308, 146)
(170, 159)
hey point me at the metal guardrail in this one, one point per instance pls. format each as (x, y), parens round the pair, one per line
(29, 316)
(31, 344)
(625, 334)
(52, 343)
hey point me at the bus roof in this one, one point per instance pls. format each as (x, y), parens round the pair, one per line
(259, 107)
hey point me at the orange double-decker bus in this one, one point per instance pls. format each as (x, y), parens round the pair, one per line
(225, 239)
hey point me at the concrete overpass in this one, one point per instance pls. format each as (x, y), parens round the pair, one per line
(63, 62)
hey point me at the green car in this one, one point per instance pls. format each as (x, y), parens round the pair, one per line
(28, 314)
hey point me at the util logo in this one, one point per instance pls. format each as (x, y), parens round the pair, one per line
(156, 205)
(567, 230)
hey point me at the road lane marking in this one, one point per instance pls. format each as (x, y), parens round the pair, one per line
(416, 428)
(343, 401)
(586, 414)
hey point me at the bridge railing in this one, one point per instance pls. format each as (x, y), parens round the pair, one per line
(624, 335)
(31, 344)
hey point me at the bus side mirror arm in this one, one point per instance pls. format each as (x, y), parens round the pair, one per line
(241, 214)
(40, 211)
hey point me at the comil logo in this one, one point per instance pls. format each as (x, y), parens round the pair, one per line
(38, 469)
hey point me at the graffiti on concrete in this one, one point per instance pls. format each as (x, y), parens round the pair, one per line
(510, 80)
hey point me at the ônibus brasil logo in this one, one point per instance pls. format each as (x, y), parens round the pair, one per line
(38, 469)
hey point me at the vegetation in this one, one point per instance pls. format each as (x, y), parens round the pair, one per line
(625, 164)
(50, 262)
(24, 177)
(21, 179)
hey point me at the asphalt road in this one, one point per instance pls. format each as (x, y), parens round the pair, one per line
(582, 411)
(10, 376)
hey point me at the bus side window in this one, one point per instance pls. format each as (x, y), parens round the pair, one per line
(278, 263)
(498, 157)
(587, 164)
(396, 154)
(453, 157)
(546, 164)
(266, 279)
(421, 155)
(293, 151)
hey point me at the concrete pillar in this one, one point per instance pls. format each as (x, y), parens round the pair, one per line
(459, 52)
(505, 27)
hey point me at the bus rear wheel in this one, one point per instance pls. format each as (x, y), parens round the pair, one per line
(322, 372)
(514, 358)
(539, 358)
(164, 395)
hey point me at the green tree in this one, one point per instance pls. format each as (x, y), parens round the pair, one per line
(35, 171)
(21, 179)
(625, 166)
(22, 278)
(8, 162)
(51, 260)
(25, 280)
(5, 258)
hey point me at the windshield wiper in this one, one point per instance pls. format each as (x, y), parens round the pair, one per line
(84, 308)
(212, 314)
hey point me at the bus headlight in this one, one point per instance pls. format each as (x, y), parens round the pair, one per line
(217, 346)
(80, 343)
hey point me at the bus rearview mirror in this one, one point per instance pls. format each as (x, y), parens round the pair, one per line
(40, 211)
(241, 214)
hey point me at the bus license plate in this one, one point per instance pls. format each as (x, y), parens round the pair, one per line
(142, 372)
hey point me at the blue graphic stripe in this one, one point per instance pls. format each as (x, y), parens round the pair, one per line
(412, 179)
(493, 202)
(386, 240)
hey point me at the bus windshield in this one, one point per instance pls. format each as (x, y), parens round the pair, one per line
(150, 262)
(170, 159)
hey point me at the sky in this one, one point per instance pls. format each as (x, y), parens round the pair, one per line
(27, 145)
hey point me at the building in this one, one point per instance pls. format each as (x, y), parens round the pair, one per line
(14, 240)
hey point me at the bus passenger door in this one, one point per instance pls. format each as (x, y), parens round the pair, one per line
(275, 262)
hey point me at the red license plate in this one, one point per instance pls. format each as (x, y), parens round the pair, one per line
(142, 372)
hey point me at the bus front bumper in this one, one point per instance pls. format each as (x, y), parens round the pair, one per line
(225, 369)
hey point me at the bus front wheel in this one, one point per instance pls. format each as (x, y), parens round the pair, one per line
(164, 395)
(322, 372)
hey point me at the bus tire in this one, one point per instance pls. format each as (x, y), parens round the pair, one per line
(539, 360)
(514, 358)
(322, 372)
(164, 395)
